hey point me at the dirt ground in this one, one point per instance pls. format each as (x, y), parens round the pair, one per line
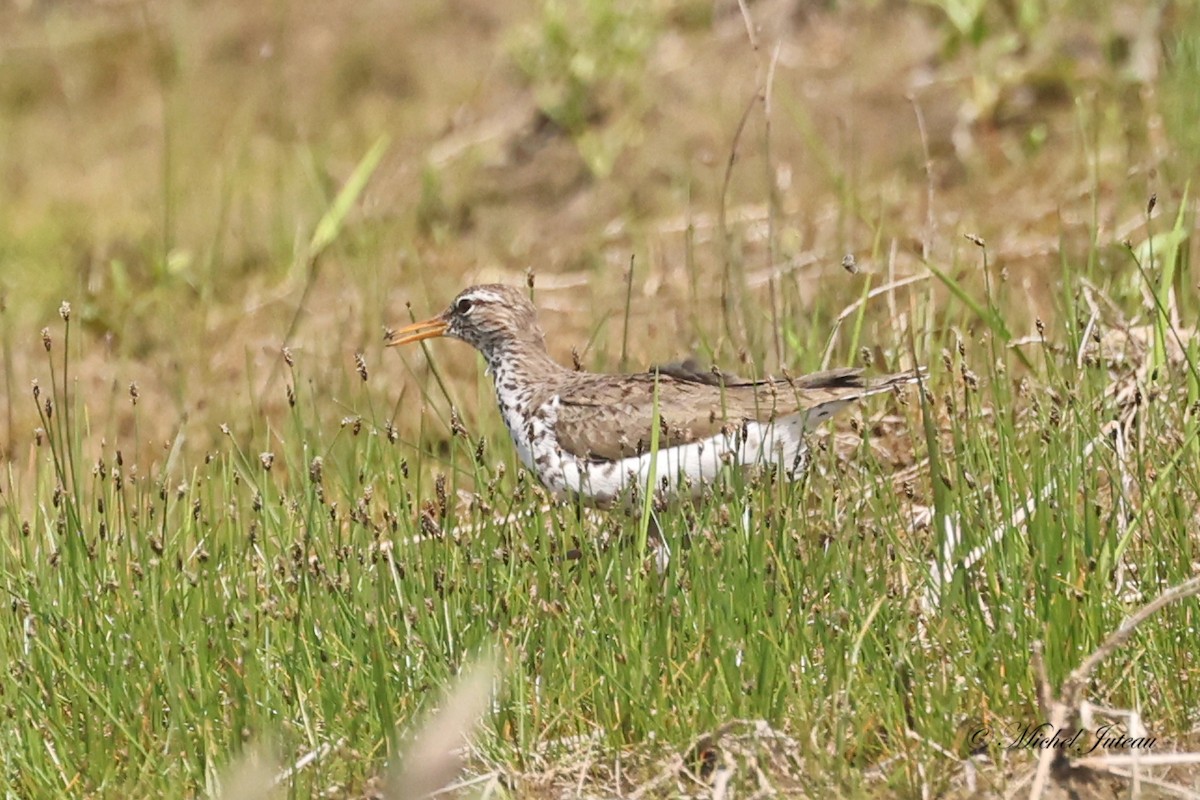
(164, 167)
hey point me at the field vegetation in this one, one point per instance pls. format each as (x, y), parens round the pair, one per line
(243, 546)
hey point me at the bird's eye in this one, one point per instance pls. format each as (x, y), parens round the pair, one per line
(463, 306)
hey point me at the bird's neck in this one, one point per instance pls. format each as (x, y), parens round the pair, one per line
(521, 369)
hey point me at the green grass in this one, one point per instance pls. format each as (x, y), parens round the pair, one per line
(310, 552)
(155, 623)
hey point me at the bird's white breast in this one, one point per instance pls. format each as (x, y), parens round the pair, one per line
(694, 465)
(670, 470)
(689, 467)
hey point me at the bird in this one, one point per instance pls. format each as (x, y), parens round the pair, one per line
(590, 437)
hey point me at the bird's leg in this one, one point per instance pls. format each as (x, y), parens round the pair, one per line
(799, 466)
(656, 543)
(747, 520)
(574, 552)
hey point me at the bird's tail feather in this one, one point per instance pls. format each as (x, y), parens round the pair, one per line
(812, 417)
(887, 382)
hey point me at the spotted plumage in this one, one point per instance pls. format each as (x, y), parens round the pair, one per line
(589, 436)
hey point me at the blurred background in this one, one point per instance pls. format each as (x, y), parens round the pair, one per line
(166, 167)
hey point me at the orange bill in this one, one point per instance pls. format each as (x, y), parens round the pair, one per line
(417, 331)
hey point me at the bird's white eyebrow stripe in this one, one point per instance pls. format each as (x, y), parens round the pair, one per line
(481, 295)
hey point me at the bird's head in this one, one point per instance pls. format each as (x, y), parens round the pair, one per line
(491, 318)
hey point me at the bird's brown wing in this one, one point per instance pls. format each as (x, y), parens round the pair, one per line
(691, 370)
(608, 417)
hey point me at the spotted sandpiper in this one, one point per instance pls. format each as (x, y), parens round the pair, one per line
(588, 436)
